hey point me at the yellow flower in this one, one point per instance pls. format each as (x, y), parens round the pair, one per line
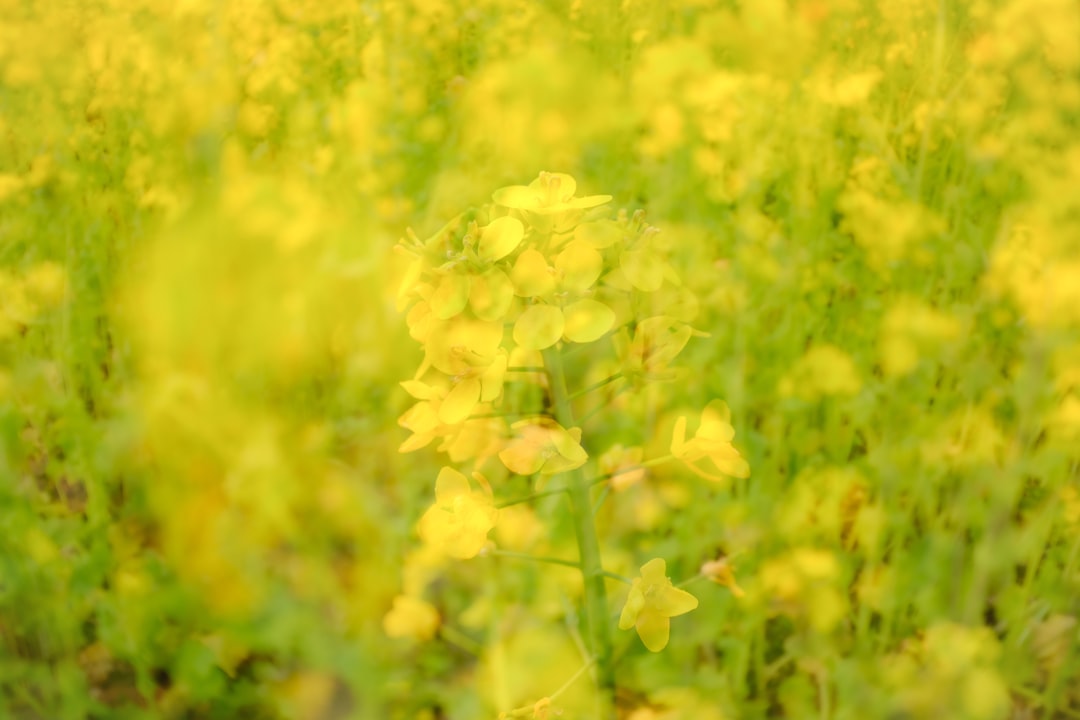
(548, 194)
(460, 519)
(653, 600)
(657, 341)
(712, 440)
(411, 617)
(543, 446)
(721, 573)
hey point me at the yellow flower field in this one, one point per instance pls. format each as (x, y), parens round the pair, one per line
(423, 359)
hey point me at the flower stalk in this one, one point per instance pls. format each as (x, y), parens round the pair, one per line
(598, 626)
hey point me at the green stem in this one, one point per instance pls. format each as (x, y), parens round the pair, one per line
(616, 576)
(527, 498)
(535, 558)
(630, 468)
(597, 618)
(596, 386)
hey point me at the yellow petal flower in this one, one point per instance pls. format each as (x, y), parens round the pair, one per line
(721, 573)
(713, 441)
(657, 341)
(411, 617)
(549, 194)
(455, 346)
(460, 519)
(543, 446)
(653, 599)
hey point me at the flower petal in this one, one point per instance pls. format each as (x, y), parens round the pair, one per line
(730, 463)
(654, 630)
(554, 188)
(461, 400)
(518, 197)
(643, 269)
(500, 238)
(521, 457)
(539, 327)
(587, 320)
(672, 601)
(449, 485)
(716, 422)
(492, 379)
(491, 295)
(599, 234)
(450, 296)
(635, 602)
(531, 275)
(419, 390)
(654, 572)
(579, 265)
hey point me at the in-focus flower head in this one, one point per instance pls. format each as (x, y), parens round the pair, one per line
(652, 602)
(461, 517)
(713, 441)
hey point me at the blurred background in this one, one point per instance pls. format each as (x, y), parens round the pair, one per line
(873, 210)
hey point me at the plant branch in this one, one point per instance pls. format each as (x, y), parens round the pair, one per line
(596, 386)
(535, 558)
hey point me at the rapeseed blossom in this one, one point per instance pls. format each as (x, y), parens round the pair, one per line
(652, 602)
(711, 440)
(460, 519)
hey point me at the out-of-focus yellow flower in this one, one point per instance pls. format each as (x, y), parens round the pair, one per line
(543, 446)
(657, 341)
(713, 441)
(461, 517)
(621, 463)
(803, 583)
(652, 602)
(411, 617)
(721, 573)
(825, 370)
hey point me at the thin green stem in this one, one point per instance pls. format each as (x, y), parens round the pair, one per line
(485, 416)
(596, 386)
(592, 571)
(530, 710)
(600, 406)
(460, 640)
(617, 576)
(630, 468)
(527, 498)
(690, 580)
(600, 500)
(535, 558)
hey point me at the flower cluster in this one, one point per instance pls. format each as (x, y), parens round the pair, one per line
(552, 267)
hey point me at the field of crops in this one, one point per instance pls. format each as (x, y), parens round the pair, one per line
(578, 359)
